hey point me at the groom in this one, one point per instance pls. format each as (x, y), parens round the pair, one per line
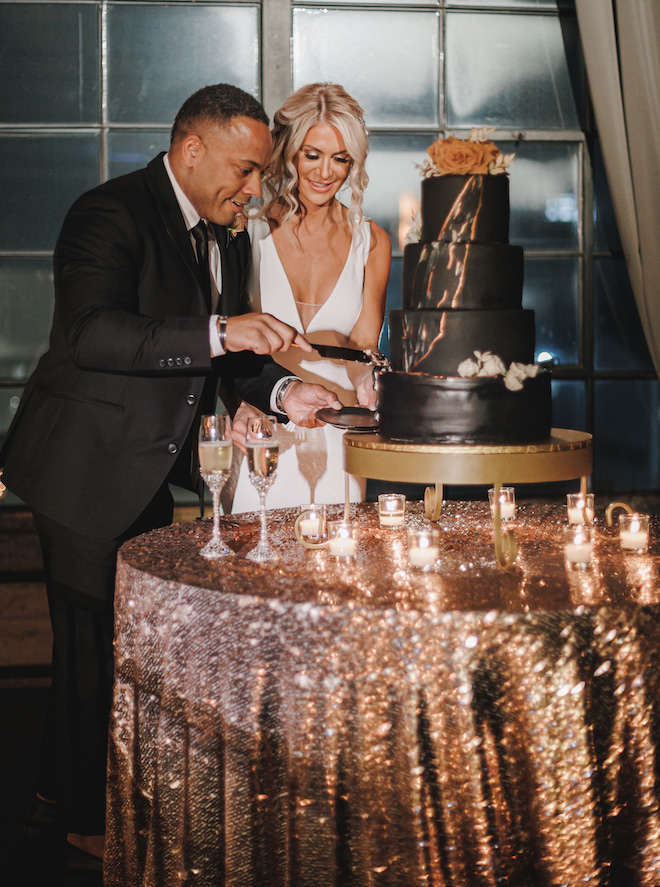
(143, 333)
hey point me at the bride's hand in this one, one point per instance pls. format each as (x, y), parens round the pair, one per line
(365, 390)
(239, 424)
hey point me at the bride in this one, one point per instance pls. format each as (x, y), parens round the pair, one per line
(323, 268)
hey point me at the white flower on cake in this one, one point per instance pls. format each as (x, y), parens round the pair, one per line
(414, 233)
(489, 364)
(476, 155)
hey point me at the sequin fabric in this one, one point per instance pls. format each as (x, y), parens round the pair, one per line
(317, 724)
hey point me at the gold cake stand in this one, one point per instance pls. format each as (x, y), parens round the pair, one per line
(565, 455)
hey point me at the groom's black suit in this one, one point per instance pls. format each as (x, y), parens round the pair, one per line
(106, 414)
(106, 419)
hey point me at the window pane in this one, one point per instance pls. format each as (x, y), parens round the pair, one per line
(393, 300)
(544, 188)
(568, 405)
(551, 289)
(129, 150)
(393, 194)
(159, 55)
(40, 177)
(606, 231)
(26, 308)
(523, 4)
(619, 341)
(9, 399)
(507, 71)
(626, 429)
(387, 60)
(49, 63)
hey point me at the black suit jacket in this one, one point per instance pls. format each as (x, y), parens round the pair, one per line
(111, 407)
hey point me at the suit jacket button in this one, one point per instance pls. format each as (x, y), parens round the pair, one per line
(191, 399)
(162, 362)
(172, 448)
(179, 361)
(187, 361)
(170, 361)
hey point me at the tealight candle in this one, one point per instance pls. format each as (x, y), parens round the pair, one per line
(391, 509)
(579, 504)
(634, 532)
(507, 500)
(578, 545)
(341, 543)
(311, 523)
(423, 548)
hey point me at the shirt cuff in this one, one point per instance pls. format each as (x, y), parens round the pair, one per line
(214, 339)
(283, 383)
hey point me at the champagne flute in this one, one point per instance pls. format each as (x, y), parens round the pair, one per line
(262, 447)
(215, 451)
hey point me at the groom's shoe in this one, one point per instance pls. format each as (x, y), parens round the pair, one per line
(41, 824)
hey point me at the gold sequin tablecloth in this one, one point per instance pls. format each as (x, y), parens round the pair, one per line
(315, 725)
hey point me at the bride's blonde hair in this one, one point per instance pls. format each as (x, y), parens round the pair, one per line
(317, 103)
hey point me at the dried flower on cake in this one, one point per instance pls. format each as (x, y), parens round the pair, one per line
(474, 156)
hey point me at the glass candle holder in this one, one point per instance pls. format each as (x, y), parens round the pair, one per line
(578, 505)
(634, 533)
(578, 546)
(507, 502)
(423, 548)
(312, 522)
(391, 509)
(341, 540)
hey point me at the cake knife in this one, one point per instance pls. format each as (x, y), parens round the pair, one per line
(368, 356)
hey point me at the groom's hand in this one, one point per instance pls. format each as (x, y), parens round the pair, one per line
(263, 334)
(302, 400)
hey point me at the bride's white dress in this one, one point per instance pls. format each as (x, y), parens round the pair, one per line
(310, 466)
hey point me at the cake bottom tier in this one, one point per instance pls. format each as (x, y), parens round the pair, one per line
(419, 408)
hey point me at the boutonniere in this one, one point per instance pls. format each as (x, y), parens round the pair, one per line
(237, 226)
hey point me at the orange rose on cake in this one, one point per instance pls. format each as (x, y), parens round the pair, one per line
(474, 156)
(456, 157)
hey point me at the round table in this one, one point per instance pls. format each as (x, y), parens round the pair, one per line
(314, 723)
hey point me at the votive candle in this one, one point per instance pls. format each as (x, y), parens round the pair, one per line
(578, 545)
(634, 532)
(391, 509)
(341, 543)
(507, 499)
(579, 504)
(423, 548)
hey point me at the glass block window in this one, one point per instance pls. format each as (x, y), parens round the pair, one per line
(626, 428)
(40, 177)
(26, 308)
(545, 194)
(394, 77)
(49, 63)
(551, 288)
(507, 71)
(130, 149)
(158, 56)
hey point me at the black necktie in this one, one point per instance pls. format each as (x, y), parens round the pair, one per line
(201, 235)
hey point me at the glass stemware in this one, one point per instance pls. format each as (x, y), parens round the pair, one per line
(215, 452)
(262, 447)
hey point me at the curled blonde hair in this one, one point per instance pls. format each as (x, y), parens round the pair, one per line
(316, 103)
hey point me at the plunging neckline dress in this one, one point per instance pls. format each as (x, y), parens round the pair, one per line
(311, 459)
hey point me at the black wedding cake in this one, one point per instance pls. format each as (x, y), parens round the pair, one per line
(462, 345)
